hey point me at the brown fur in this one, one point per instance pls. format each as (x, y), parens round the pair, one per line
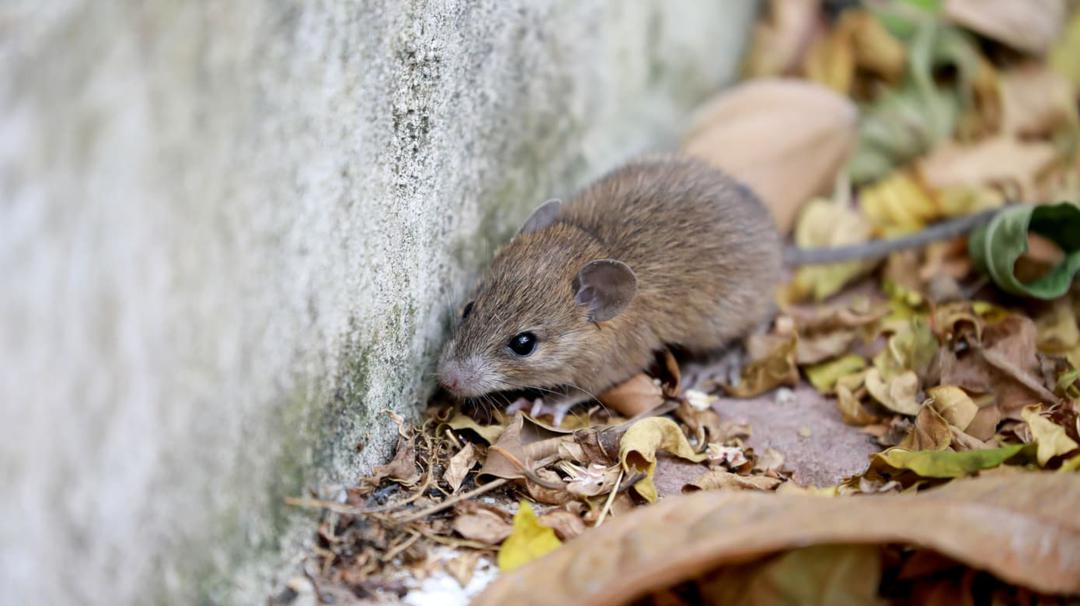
(705, 252)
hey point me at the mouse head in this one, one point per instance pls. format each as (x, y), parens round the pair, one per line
(536, 311)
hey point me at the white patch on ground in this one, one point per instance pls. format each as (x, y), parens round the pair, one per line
(441, 589)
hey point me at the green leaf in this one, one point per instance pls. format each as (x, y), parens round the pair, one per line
(946, 463)
(996, 246)
(528, 540)
(824, 376)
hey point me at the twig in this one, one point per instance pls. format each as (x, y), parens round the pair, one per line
(390, 555)
(610, 499)
(423, 513)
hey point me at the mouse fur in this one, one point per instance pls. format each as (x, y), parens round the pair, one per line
(663, 251)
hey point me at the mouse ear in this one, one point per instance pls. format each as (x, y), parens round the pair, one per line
(543, 216)
(606, 287)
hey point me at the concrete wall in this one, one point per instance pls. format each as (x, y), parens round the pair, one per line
(230, 232)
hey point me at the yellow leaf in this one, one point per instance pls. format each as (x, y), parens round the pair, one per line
(953, 404)
(770, 368)
(825, 223)
(851, 409)
(528, 540)
(1065, 56)
(1049, 436)
(946, 463)
(898, 205)
(831, 61)
(1057, 329)
(640, 443)
(897, 394)
(824, 376)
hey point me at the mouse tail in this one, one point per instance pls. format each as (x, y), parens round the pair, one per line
(876, 249)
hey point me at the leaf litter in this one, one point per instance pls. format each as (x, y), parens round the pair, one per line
(952, 371)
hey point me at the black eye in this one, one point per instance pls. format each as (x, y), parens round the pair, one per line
(468, 310)
(523, 344)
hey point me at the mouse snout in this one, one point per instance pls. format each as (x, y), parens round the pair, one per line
(463, 378)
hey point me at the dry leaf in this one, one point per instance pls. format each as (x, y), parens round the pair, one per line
(565, 524)
(858, 40)
(815, 348)
(826, 223)
(1036, 101)
(489, 433)
(1065, 56)
(528, 540)
(1022, 528)
(953, 405)
(897, 394)
(851, 409)
(589, 481)
(641, 442)
(520, 445)
(1003, 162)
(772, 365)
(402, 468)
(785, 138)
(770, 460)
(930, 432)
(898, 205)
(781, 37)
(1049, 436)
(717, 479)
(462, 566)
(1030, 26)
(482, 524)
(459, 467)
(641, 393)
(824, 376)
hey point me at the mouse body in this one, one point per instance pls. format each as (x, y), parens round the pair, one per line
(664, 251)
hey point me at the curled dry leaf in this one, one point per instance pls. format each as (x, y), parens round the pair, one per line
(787, 139)
(772, 365)
(1021, 528)
(1049, 436)
(717, 479)
(857, 41)
(641, 442)
(929, 432)
(1030, 26)
(898, 205)
(520, 446)
(402, 468)
(955, 406)
(459, 466)
(897, 393)
(489, 433)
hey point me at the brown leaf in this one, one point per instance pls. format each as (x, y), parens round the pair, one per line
(403, 466)
(772, 365)
(565, 524)
(781, 37)
(459, 467)
(1021, 527)
(851, 409)
(1030, 26)
(1036, 101)
(816, 348)
(717, 479)
(1011, 165)
(482, 524)
(930, 432)
(461, 566)
(640, 393)
(785, 138)
(519, 447)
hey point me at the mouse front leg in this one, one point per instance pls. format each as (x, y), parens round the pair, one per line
(556, 405)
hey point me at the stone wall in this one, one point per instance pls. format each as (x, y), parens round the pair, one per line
(231, 234)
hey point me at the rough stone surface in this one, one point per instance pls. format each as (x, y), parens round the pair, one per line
(231, 234)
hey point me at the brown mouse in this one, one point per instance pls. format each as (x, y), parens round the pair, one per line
(664, 251)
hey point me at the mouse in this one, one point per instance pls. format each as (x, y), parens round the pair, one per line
(665, 251)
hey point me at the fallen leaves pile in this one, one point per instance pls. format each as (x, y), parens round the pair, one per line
(959, 360)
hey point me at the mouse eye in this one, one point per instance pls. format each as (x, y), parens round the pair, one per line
(468, 310)
(523, 344)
